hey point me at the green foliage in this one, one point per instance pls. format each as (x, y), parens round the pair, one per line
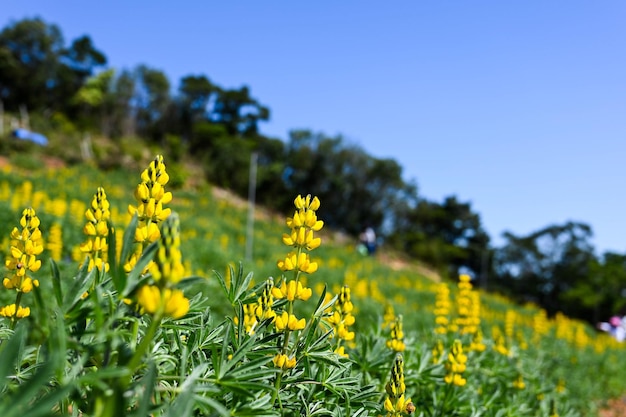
(86, 350)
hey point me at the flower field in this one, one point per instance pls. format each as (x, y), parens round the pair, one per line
(123, 296)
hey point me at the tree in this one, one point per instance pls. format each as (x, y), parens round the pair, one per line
(29, 64)
(196, 95)
(602, 293)
(37, 71)
(238, 112)
(356, 188)
(152, 101)
(447, 235)
(119, 114)
(92, 95)
(545, 265)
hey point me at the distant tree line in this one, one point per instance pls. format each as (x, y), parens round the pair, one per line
(555, 267)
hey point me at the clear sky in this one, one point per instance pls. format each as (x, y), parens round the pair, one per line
(516, 106)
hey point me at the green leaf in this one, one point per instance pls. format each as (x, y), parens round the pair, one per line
(9, 352)
(80, 285)
(148, 383)
(133, 276)
(56, 282)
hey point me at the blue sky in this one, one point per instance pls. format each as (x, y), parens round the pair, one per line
(516, 106)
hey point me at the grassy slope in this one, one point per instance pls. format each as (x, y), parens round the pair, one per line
(214, 236)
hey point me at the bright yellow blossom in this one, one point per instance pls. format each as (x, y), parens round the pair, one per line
(283, 361)
(456, 365)
(97, 230)
(396, 404)
(26, 244)
(288, 321)
(292, 290)
(9, 311)
(172, 302)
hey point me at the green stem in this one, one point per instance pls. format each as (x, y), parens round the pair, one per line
(279, 379)
(18, 299)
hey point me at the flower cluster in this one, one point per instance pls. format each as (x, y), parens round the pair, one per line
(389, 316)
(341, 319)
(477, 344)
(26, 244)
(395, 403)
(161, 298)
(396, 337)
(151, 196)
(292, 290)
(437, 351)
(456, 365)
(442, 308)
(263, 309)
(283, 361)
(468, 306)
(499, 341)
(303, 225)
(97, 230)
(519, 383)
(55, 242)
(254, 313)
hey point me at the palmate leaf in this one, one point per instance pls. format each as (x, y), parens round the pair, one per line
(238, 290)
(36, 396)
(9, 352)
(260, 407)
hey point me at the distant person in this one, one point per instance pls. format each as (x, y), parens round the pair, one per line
(614, 327)
(368, 239)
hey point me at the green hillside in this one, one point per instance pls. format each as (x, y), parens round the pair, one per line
(372, 331)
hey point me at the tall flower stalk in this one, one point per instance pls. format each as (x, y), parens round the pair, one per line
(97, 231)
(26, 244)
(160, 298)
(396, 336)
(151, 196)
(304, 224)
(341, 319)
(396, 404)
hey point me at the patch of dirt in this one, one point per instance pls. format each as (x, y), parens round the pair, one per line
(52, 162)
(615, 408)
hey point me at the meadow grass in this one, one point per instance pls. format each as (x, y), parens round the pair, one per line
(229, 336)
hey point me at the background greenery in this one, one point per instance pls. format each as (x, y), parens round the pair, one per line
(114, 117)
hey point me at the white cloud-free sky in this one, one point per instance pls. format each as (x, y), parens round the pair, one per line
(516, 106)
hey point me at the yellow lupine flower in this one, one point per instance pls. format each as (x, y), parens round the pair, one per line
(289, 321)
(292, 290)
(151, 197)
(396, 337)
(283, 361)
(300, 262)
(173, 302)
(167, 269)
(519, 383)
(9, 311)
(97, 230)
(26, 244)
(395, 402)
(456, 365)
(263, 308)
